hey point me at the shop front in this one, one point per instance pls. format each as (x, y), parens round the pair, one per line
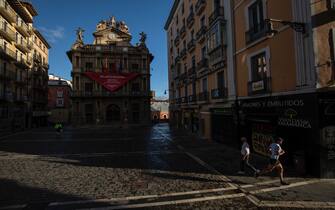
(223, 126)
(293, 118)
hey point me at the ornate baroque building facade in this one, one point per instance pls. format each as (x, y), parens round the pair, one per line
(23, 68)
(111, 77)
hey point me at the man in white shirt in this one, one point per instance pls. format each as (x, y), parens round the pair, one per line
(276, 151)
(245, 154)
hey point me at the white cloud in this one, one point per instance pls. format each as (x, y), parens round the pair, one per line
(52, 34)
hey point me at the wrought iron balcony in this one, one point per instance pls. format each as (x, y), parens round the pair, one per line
(6, 52)
(191, 45)
(22, 28)
(6, 32)
(6, 11)
(21, 62)
(256, 32)
(22, 45)
(183, 53)
(182, 31)
(202, 64)
(176, 60)
(218, 13)
(219, 93)
(260, 86)
(190, 20)
(191, 71)
(192, 98)
(200, 6)
(177, 40)
(184, 100)
(37, 58)
(178, 100)
(200, 36)
(45, 66)
(203, 96)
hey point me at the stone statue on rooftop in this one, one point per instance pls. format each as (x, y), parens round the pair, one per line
(143, 38)
(80, 36)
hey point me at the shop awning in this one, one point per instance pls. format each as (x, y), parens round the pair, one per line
(110, 80)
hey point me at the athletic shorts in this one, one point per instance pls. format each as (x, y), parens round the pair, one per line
(274, 161)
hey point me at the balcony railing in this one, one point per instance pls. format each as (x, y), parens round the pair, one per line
(7, 11)
(183, 53)
(190, 20)
(182, 31)
(191, 45)
(45, 66)
(5, 51)
(260, 86)
(22, 28)
(219, 93)
(176, 40)
(184, 100)
(256, 32)
(21, 62)
(6, 32)
(22, 45)
(191, 71)
(37, 58)
(202, 64)
(93, 94)
(218, 12)
(178, 100)
(201, 33)
(200, 6)
(176, 60)
(203, 96)
(192, 98)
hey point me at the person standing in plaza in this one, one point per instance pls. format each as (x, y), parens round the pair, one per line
(274, 162)
(245, 154)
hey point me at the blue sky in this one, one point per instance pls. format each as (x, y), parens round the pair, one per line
(58, 20)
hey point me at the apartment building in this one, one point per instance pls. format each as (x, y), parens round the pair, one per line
(59, 101)
(201, 81)
(20, 43)
(111, 77)
(278, 70)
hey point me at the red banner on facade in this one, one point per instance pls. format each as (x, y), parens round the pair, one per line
(111, 81)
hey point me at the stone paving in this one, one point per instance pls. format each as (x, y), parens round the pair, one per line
(140, 167)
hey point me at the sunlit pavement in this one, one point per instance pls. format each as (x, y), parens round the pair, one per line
(140, 167)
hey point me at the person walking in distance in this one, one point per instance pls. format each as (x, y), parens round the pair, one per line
(245, 154)
(274, 162)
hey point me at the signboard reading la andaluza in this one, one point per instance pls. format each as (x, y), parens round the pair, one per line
(110, 80)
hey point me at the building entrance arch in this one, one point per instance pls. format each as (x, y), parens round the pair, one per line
(113, 113)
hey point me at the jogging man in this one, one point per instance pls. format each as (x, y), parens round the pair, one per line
(276, 152)
(245, 153)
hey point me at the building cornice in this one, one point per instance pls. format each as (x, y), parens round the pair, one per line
(42, 38)
(172, 12)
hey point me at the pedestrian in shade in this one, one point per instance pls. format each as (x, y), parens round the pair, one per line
(274, 163)
(245, 155)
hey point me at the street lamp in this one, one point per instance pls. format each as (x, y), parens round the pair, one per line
(297, 26)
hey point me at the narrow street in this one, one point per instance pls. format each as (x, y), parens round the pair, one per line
(142, 167)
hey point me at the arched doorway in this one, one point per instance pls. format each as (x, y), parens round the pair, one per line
(113, 113)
